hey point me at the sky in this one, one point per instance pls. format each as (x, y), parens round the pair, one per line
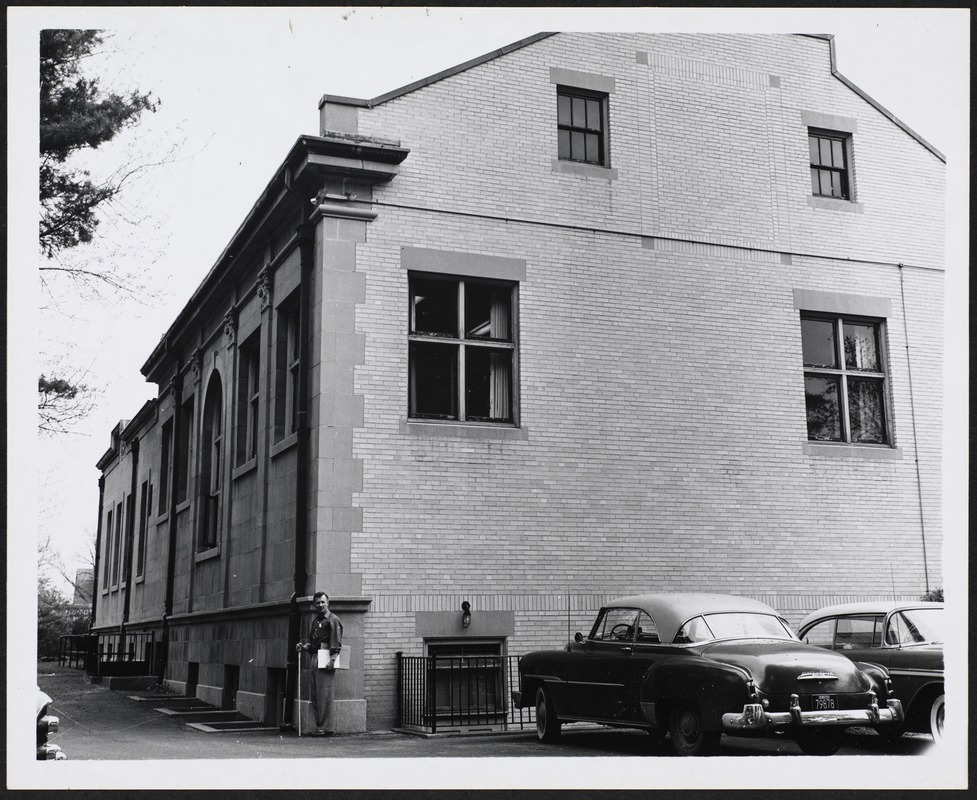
(238, 86)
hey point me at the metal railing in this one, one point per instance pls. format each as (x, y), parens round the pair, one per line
(110, 654)
(77, 650)
(441, 693)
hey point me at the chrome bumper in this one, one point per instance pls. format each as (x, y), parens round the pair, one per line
(50, 752)
(753, 717)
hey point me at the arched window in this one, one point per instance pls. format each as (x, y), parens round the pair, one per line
(212, 466)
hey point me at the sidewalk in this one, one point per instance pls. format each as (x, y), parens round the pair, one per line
(99, 723)
(102, 724)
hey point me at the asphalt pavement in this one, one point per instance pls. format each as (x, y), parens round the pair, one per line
(99, 723)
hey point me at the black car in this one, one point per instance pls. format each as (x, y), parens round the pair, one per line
(699, 666)
(905, 637)
(46, 725)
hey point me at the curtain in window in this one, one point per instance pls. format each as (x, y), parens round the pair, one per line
(500, 385)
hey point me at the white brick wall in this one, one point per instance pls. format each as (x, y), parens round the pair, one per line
(660, 378)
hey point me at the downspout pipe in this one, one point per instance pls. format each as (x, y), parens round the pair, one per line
(912, 408)
(130, 538)
(306, 253)
(171, 528)
(98, 549)
(302, 414)
(292, 675)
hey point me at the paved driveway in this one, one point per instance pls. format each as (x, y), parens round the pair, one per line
(97, 723)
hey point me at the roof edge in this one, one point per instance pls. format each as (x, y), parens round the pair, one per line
(438, 76)
(830, 39)
(384, 151)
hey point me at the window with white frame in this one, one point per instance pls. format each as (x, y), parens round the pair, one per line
(581, 125)
(461, 349)
(830, 163)
(844, 379)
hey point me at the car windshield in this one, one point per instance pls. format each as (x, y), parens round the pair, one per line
(733, 625)
(915, 626)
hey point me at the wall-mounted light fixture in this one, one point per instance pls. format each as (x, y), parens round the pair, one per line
(466, 614)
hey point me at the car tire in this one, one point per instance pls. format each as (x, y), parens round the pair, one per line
(936, 718)
(820, 741)
(547, 725)
(686, 726)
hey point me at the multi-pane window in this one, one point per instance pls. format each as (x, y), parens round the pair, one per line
(287, 353)
(127, 541)
(184, 446)
(248, 397)
(109, 544)
(844, 379)
(212, 466)
(166, 444)
(117, 545)
(830, 172)
(582, 125)
(145, 510)
(461, 349)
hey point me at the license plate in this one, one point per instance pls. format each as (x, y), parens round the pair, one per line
(824, 702)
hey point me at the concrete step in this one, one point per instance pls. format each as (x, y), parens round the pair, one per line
(208, 714)
(129, 681)
(232, 726)
(157, 696)
(171, 702)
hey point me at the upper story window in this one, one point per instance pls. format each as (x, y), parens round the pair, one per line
(582, 125)
(165, 446)
(844, 379)
(287, 354)
(184, 445)
(212, 463)
(248, 397)
(117, 545)
(830, 163)
(145, 513)
(461, 349)
(109, 544)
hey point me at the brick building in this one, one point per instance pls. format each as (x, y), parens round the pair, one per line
(592, 314)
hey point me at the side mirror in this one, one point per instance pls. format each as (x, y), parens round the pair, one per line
(578, 637)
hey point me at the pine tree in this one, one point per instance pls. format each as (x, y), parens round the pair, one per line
(75, 114)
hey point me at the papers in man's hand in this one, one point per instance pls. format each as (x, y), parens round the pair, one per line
(323, 660)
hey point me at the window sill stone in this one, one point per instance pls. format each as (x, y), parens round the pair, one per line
(866, 452)
(463, 430)
(835, 204)
(206, 555)
(584, 170)
(285, 444)
(248, 466)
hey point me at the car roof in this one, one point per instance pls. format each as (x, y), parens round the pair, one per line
(866, 607)
(670, 609)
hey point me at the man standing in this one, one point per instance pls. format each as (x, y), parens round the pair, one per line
(324, 644)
